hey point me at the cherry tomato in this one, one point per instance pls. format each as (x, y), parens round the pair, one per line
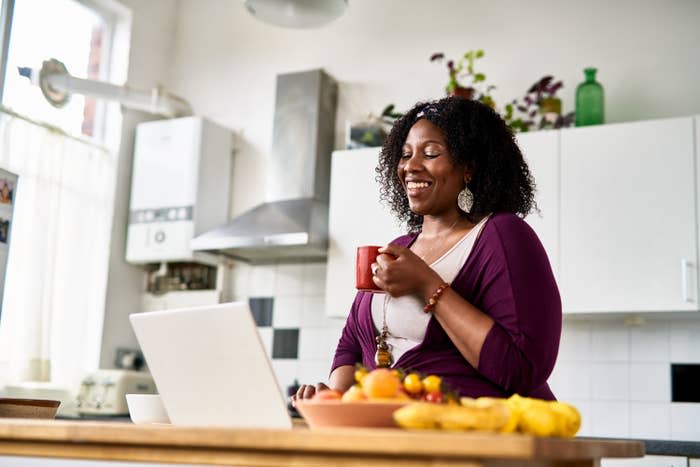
(412, 384)
(432, 383)
(435, 397)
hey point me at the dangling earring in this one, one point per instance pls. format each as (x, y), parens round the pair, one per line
(465, 199)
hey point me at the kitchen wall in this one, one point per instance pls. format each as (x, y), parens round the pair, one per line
(225, 62)
(619, 375)
(152, 31)
(297, 306)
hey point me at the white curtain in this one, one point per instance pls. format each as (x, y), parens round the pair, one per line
(52, 313)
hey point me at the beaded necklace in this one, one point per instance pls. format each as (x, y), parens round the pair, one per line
(383, 357)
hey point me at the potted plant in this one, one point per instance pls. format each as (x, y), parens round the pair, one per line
(373, 131)
(540, 108)
(463, 80)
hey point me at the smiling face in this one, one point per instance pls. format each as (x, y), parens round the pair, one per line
(427, 172)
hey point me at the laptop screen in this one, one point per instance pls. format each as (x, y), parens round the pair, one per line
(210, 367)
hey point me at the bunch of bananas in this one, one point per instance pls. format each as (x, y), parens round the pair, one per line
(515, 414)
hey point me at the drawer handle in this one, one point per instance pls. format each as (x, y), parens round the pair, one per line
(687, 269)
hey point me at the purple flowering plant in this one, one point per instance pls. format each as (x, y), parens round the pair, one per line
(540, 108)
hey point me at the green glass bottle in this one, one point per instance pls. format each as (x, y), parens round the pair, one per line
(590, 109)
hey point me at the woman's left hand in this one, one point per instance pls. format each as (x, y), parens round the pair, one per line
(399, 271)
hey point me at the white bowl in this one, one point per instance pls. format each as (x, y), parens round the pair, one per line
(146, 408)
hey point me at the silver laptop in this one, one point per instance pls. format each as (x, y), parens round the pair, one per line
(210, 367)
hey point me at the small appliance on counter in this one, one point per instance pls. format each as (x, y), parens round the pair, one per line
(103, 392)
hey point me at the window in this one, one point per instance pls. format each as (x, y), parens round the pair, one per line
(55, 284)
(70, 32)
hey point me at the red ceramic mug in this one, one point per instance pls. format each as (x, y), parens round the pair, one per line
(366, 255)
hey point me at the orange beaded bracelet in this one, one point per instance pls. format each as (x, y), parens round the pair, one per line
(432, 301)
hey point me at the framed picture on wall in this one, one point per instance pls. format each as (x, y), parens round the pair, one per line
(8, 186)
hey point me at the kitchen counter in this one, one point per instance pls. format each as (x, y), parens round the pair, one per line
(298, 446)
(662, 447)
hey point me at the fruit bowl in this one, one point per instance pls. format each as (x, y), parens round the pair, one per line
(333, 413)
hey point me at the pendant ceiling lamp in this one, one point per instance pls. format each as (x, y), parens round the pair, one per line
(299, 14)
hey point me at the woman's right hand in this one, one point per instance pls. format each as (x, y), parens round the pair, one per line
(399, 271)
(307, 391)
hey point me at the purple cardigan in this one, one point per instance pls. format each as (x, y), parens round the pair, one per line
(507, 275)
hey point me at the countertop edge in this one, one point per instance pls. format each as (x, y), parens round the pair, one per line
(663, 447)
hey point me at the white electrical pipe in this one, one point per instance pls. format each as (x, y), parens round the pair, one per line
(155, 102)
(57, 85)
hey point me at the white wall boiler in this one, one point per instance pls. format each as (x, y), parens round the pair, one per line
(179, 187)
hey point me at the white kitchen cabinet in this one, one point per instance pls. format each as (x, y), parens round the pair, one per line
(541, 151)
(647, 461)
(693, 462)
(356, 218)
(628, 235)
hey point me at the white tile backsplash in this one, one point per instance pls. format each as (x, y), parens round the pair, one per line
(312, 344)
(685, 341)
(240, 277)
(286, 372)
(261, 282)
(313, 313)
(287, 312)
(314, 372)
(650, 420)
(571, 380)
(610, 381)
(575, 343)
(610, 419)
(650, 382)
(289, 280)
(650, 342)
(314, 279)
(685, 421)
(609, 342)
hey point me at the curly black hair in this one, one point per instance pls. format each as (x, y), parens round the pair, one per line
(478, 138)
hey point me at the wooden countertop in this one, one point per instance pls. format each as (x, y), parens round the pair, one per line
(298, 446)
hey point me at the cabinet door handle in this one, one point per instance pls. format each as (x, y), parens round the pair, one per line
(687, 270)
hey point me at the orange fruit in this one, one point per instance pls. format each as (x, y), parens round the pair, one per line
(381, 384)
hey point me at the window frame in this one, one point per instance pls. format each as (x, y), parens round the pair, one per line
(114, 58)
(6, 14)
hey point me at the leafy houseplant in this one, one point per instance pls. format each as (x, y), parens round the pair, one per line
(389, 115)
(463, 80)
(540, 108)
(373, 131)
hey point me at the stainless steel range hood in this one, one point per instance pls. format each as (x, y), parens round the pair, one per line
(293, 224)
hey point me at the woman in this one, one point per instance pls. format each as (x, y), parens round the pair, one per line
(470, 293)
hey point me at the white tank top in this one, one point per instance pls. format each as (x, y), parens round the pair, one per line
(405, 318)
